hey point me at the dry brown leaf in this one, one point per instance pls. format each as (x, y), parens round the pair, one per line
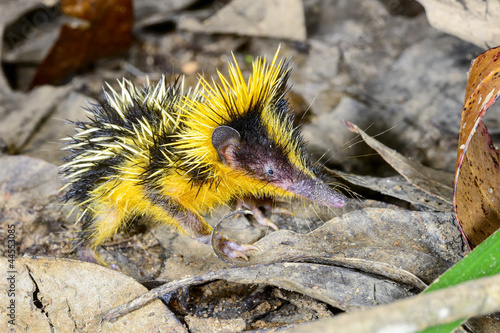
(424, 244)
(477, 186)
(106, 30)
(66, 295)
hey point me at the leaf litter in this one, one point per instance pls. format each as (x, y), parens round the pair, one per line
(366, 257)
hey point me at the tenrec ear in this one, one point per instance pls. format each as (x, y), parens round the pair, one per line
(222, 138)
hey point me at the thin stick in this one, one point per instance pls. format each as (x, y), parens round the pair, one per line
(473, 298)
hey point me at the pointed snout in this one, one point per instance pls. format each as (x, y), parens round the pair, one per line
(318, 192)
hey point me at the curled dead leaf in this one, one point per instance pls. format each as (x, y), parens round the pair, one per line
(477, 187)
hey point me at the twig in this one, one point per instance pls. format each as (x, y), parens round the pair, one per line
(151, 295)
(473, 298)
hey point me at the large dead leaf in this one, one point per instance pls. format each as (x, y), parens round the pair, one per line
(477, 186)
(381, 241)
(66, 295)
(106, 29)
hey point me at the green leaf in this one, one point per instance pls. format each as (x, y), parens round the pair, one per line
(483, 261)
